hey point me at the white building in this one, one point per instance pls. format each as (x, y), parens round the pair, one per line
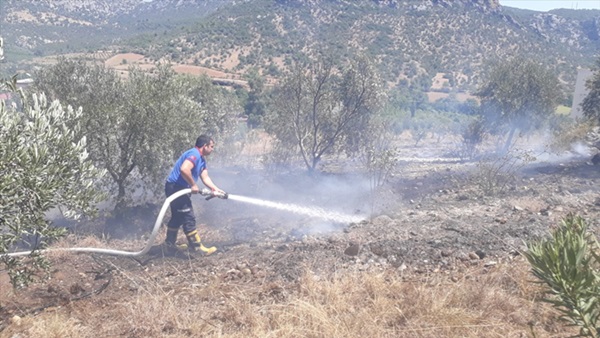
(583, 74)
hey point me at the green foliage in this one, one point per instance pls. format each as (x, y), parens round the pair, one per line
(439, 123)
(316, 111)
(136, 126)
(472, 136)
(254, 107)
(409, 97)
(518, 93)
(568, 264)
(567, 132)
(591, 103)
(43, 164)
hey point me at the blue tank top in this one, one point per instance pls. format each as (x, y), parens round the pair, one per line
(199, 165)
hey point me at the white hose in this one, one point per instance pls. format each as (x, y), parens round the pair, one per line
(144, 251)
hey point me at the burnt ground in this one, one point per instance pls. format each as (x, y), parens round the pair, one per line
(431, 217)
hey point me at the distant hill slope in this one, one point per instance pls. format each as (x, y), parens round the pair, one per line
(43, 27)
(412, 40)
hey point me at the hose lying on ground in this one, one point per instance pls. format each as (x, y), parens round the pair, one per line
(144, 251)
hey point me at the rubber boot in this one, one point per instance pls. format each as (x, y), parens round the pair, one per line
(194, 243)
(170, 246)
(171, 236)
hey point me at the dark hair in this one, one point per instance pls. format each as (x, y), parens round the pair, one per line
(203, 140)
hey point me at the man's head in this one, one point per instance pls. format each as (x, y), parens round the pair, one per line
(205, 143)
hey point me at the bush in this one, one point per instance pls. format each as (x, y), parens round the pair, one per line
(472, 137)
(43, 165)
(568, 264)
(494, 174)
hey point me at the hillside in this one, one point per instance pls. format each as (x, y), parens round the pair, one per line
(411, 40)
(408, 39)
(48, 27)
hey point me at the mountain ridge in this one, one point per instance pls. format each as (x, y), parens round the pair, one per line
(410, 40)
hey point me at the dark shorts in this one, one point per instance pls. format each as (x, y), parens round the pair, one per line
(182, 212)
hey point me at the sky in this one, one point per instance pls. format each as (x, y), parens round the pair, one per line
(546, 5)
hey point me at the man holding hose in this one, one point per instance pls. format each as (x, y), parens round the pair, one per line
(190, 166)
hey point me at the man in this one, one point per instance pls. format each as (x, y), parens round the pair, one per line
(190, 165)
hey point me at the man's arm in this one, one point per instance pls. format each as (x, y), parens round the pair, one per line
(186, 173)
(208, 182)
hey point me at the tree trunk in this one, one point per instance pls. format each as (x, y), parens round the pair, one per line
(509, 139)
(120, 201)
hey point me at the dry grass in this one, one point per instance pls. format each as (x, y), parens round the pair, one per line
(480, 303)
(52, 325)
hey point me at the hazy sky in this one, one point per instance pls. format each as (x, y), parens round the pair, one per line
(546, 5)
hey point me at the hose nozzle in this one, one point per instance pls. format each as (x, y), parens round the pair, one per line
(212, 194)
(222, 196)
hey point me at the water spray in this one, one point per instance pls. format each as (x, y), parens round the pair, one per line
(302, 210)
(307, 211)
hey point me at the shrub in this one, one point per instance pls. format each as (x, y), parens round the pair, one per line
(43, 165)
(472, 137)
(568, 264)
(495, 174)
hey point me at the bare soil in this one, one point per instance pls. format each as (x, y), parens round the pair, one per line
(429, 219)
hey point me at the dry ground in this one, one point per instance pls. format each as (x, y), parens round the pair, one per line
(433, 258)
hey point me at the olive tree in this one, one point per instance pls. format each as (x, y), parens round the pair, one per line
(43, 164)
(254, 107)
(518, 94)
(591, 103)
(136, 126)
(317, 107)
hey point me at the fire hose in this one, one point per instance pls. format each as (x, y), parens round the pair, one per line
(204, 192)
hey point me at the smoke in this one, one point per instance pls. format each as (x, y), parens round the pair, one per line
(581, 149)
(288, 204)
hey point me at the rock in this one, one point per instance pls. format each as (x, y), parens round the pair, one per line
(480, 254)
(446, 253)
(377, 249)
(16, 320)
(352, 250)
(463, 256)
(490, 263)
(473, 256)
(76, 289)
(394, 261)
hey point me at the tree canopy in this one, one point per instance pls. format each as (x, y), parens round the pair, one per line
(518, 94)
(591, 103)
(136, 126)
(43, 164)
(317, 107)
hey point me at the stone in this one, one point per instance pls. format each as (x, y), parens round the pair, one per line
(352, 250)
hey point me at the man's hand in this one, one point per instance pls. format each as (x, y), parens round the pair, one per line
(195, 189)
